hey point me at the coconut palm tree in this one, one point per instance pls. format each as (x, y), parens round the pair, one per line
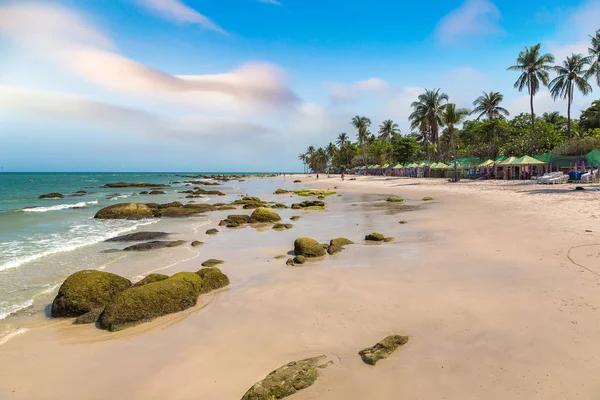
(362, 125)
(420, 123)
(331, 149)
(534, 68)
(451, 117)
(594, 52)
(489, 105)
(342, 139)
(430, 104)
(571, 74)
(387, 131)
(302, 157)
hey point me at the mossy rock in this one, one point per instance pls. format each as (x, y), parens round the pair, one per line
(279, 205)
(314, 192)
(281, 191)
(287, 380)
(280, 226)
(151, 279)
(403, 222)
(234, 221)
(308, 248)
(290, 262)
(295, 218)
(144, 303)
(427, 198)
(299, 260)
(395, 199)
(265, 215)
(212, 279)
(52, 195)
(154, 192)
(138, 237)
(375, 237)
(333, 249)
(212, 262)
(341, 241)
(197, 243)
(279, 257)
(309, 205)
(389, 239)
(156, 244)
(85, 291)
(315, 208)
(382, 349)
(212, 231)
(125, 211)
(90, 317)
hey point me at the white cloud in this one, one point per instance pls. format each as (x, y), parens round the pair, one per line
(543, 102)
(343, 93)
(176, 11)
(64, 38)
(472, 18)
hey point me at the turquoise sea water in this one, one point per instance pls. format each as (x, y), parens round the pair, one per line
(44, 240)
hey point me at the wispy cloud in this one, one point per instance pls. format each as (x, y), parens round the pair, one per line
(276, 2)
(472, 18)
(342, 93)
(177, 11)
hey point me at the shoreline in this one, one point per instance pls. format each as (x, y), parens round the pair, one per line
(489, 315)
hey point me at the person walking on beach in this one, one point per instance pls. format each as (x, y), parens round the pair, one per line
(342, 176)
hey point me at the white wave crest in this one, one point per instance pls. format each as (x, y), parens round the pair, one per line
(6, 336)
(58, 207)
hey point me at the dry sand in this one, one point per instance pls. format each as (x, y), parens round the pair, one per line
(496, 283)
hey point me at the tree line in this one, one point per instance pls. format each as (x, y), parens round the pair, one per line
(434, 120)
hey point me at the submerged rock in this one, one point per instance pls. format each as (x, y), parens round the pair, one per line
(85, 291)
(212, 262)
(309, 205)
(151, 279)
(126, 211)
(265, 215)
(52, 195)
(234, 221)
(212, 231)
(154, 192)
(156, 244)
(144, 303)
(395, 199)
(133, 185)
(212, 279)
(138, 236)
(197, 243)
(281, 191)
(388, 239)
(375, 237)
(427, 198)
(308, 248)
(382, 349)
(295, 217)
(403, 222)
(287, 380)
(280, 226)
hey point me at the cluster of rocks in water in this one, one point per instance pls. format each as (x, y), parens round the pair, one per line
(115, 303)
(378, 237)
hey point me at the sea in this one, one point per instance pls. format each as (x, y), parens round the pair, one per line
(42, 241)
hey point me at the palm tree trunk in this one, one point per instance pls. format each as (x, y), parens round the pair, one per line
(569, 112)
(532, 118)
(453, 153)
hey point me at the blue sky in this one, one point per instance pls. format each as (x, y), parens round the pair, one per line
(230, 85)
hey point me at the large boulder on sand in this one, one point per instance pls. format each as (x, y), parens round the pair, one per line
(287, 380)
(85, 291)
(212, 279)
(144, 303)
(125, 211)
(382, 349)
(308, 248)
(263, 214)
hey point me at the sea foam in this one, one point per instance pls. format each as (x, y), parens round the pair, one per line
(58, 207)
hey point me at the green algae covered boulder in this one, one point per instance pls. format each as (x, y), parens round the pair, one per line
(395, 199)
(234, 221)
(308, 248)
(287, 380)
(281, 191)
(263, 214)
(295, 217)
(151, 279)
(212, 231)
(290, 262)
(89, 317)
(299, 260)
(212, 279)
(125, 211)
(212, 262)
(403, 222)
(427, 198)
(337, 245)
(144, 303)
(382, 349)
(85, 291)
(375, 237)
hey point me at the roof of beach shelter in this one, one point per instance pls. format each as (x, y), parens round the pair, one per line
(432, 166)
(487, 163)
(441, 165)
(376, 166)
(526, 160)
(507, 161)
(593, 157)
(397, 166)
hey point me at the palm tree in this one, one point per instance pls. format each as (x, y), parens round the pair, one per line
(430, 104)
(331, 149)
(302, 157)
(489, 104)
(420, 123)
(387, 131)
(342, 139)
(534, 69)
(571, 75)
(594, 52)
(362, 125)
(451, 117)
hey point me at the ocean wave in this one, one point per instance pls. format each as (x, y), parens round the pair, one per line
(6, 336)
(78, 236)
(58, 207)
(6, 310)
(121, 196)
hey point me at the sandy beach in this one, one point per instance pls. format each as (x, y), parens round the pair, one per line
(496, 283)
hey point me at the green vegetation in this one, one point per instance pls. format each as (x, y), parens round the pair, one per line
(85, 291)
(382, 349)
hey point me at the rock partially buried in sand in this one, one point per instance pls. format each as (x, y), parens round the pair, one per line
(85, 291)
(395, 199)
(52, 195)
(388, 239)
(403, 222)
(138, 236)
(234, 221)
(197, 243)
(154, 245)
(144, 303)
(290, 262)
(337, 245)
(295, 218)
(427, 198)
(265, 215)
(308, 248)
(297, 181)
(281, 227)
(281, 191)
(287, 380)
(151, 279)
(212, 279)
(212, 262)
(382, 349)
(212, 231)
(299, 260)
(375, 237)
(309, 205)
(125, 211)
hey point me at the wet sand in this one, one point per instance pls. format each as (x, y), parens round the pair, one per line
(485, 280)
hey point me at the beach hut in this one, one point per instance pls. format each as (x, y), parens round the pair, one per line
(526, 164)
